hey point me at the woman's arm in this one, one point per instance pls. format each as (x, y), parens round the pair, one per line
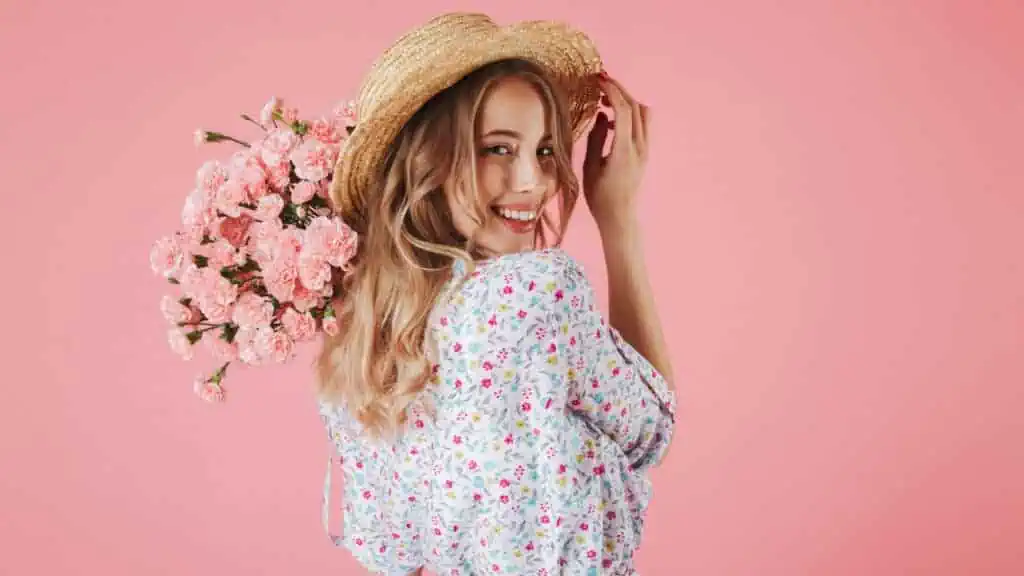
(631, 306)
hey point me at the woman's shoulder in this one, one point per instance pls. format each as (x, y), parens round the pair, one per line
(550, 264)
(537, 277)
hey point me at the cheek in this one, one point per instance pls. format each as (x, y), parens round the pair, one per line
(490, 180)
(460, 215)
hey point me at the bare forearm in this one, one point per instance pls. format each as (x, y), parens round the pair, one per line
(632, 310)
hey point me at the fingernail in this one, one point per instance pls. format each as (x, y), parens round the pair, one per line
(603, 74)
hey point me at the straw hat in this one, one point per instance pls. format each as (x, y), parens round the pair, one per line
(436, 55)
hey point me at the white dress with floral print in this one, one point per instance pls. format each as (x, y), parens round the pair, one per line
(534, 457)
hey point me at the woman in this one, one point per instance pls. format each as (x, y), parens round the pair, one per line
(487, 419)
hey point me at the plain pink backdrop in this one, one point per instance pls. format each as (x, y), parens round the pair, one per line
(835, 218)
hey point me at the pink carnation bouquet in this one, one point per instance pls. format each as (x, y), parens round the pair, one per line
(259, 250)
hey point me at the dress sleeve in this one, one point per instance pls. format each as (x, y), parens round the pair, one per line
(611, 385)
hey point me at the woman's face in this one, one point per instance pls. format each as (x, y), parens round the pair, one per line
(515, 169)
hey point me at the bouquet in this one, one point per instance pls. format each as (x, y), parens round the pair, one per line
(259, 250)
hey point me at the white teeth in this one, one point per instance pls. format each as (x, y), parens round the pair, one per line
(525, 216)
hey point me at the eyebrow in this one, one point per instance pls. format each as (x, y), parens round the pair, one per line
(510, 134)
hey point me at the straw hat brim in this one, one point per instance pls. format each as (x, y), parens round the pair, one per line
(437, 55)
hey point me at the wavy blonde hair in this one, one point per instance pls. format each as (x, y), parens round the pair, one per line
(378, 364)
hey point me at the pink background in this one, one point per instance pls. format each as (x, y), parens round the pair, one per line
(835, 219)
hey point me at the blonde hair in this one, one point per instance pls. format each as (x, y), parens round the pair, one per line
(377, 365)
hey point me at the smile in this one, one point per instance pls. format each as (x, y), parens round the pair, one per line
(518, 219)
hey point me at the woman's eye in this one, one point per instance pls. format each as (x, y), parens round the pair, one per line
(499, 150)
(546, 151)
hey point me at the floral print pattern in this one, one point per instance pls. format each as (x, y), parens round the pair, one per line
(527, 453)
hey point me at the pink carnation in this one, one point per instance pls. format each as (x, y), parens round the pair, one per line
(208, 390)
(167, 257)
(179, 343)
(314, 271)
(234, 230)
(346, 111)
(191, 279)
(305, 300)
(280, 268)
(215, 296)
(269, 207)
(279, 175)
(332, 238)
(244, 159)
(290, 114)
(267, 114)
(314, 160)
(229, 197)
(248, 351)
(198, 212)
(303, 192)
(330, 325)
(253, 180)
(328, 131)
(252, 310)
(274, 345)
(278, 146)
(280, 276)
(261, 240)
(298, 325)
(211, 176)
(221, 254)
(219, 348)
(177, 313)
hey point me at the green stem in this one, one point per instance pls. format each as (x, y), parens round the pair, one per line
(251, 119)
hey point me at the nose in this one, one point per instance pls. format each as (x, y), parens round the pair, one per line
(526, 175)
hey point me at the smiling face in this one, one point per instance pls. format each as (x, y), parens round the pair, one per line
(516, 172)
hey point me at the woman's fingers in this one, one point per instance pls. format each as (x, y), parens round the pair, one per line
(595, 144)
(633, 112)
(645, 122)
(623, 114)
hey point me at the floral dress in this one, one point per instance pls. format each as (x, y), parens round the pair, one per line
(532, 455)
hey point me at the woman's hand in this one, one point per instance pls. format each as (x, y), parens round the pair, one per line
(610, 183)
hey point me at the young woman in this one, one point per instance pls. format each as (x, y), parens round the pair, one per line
(487, 418)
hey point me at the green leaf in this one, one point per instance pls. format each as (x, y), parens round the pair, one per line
(200, 261)
(194, 336)
(229, 332)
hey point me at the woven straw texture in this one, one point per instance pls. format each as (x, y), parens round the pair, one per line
(436, 55)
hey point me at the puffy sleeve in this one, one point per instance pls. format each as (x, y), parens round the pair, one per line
(611, 385)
